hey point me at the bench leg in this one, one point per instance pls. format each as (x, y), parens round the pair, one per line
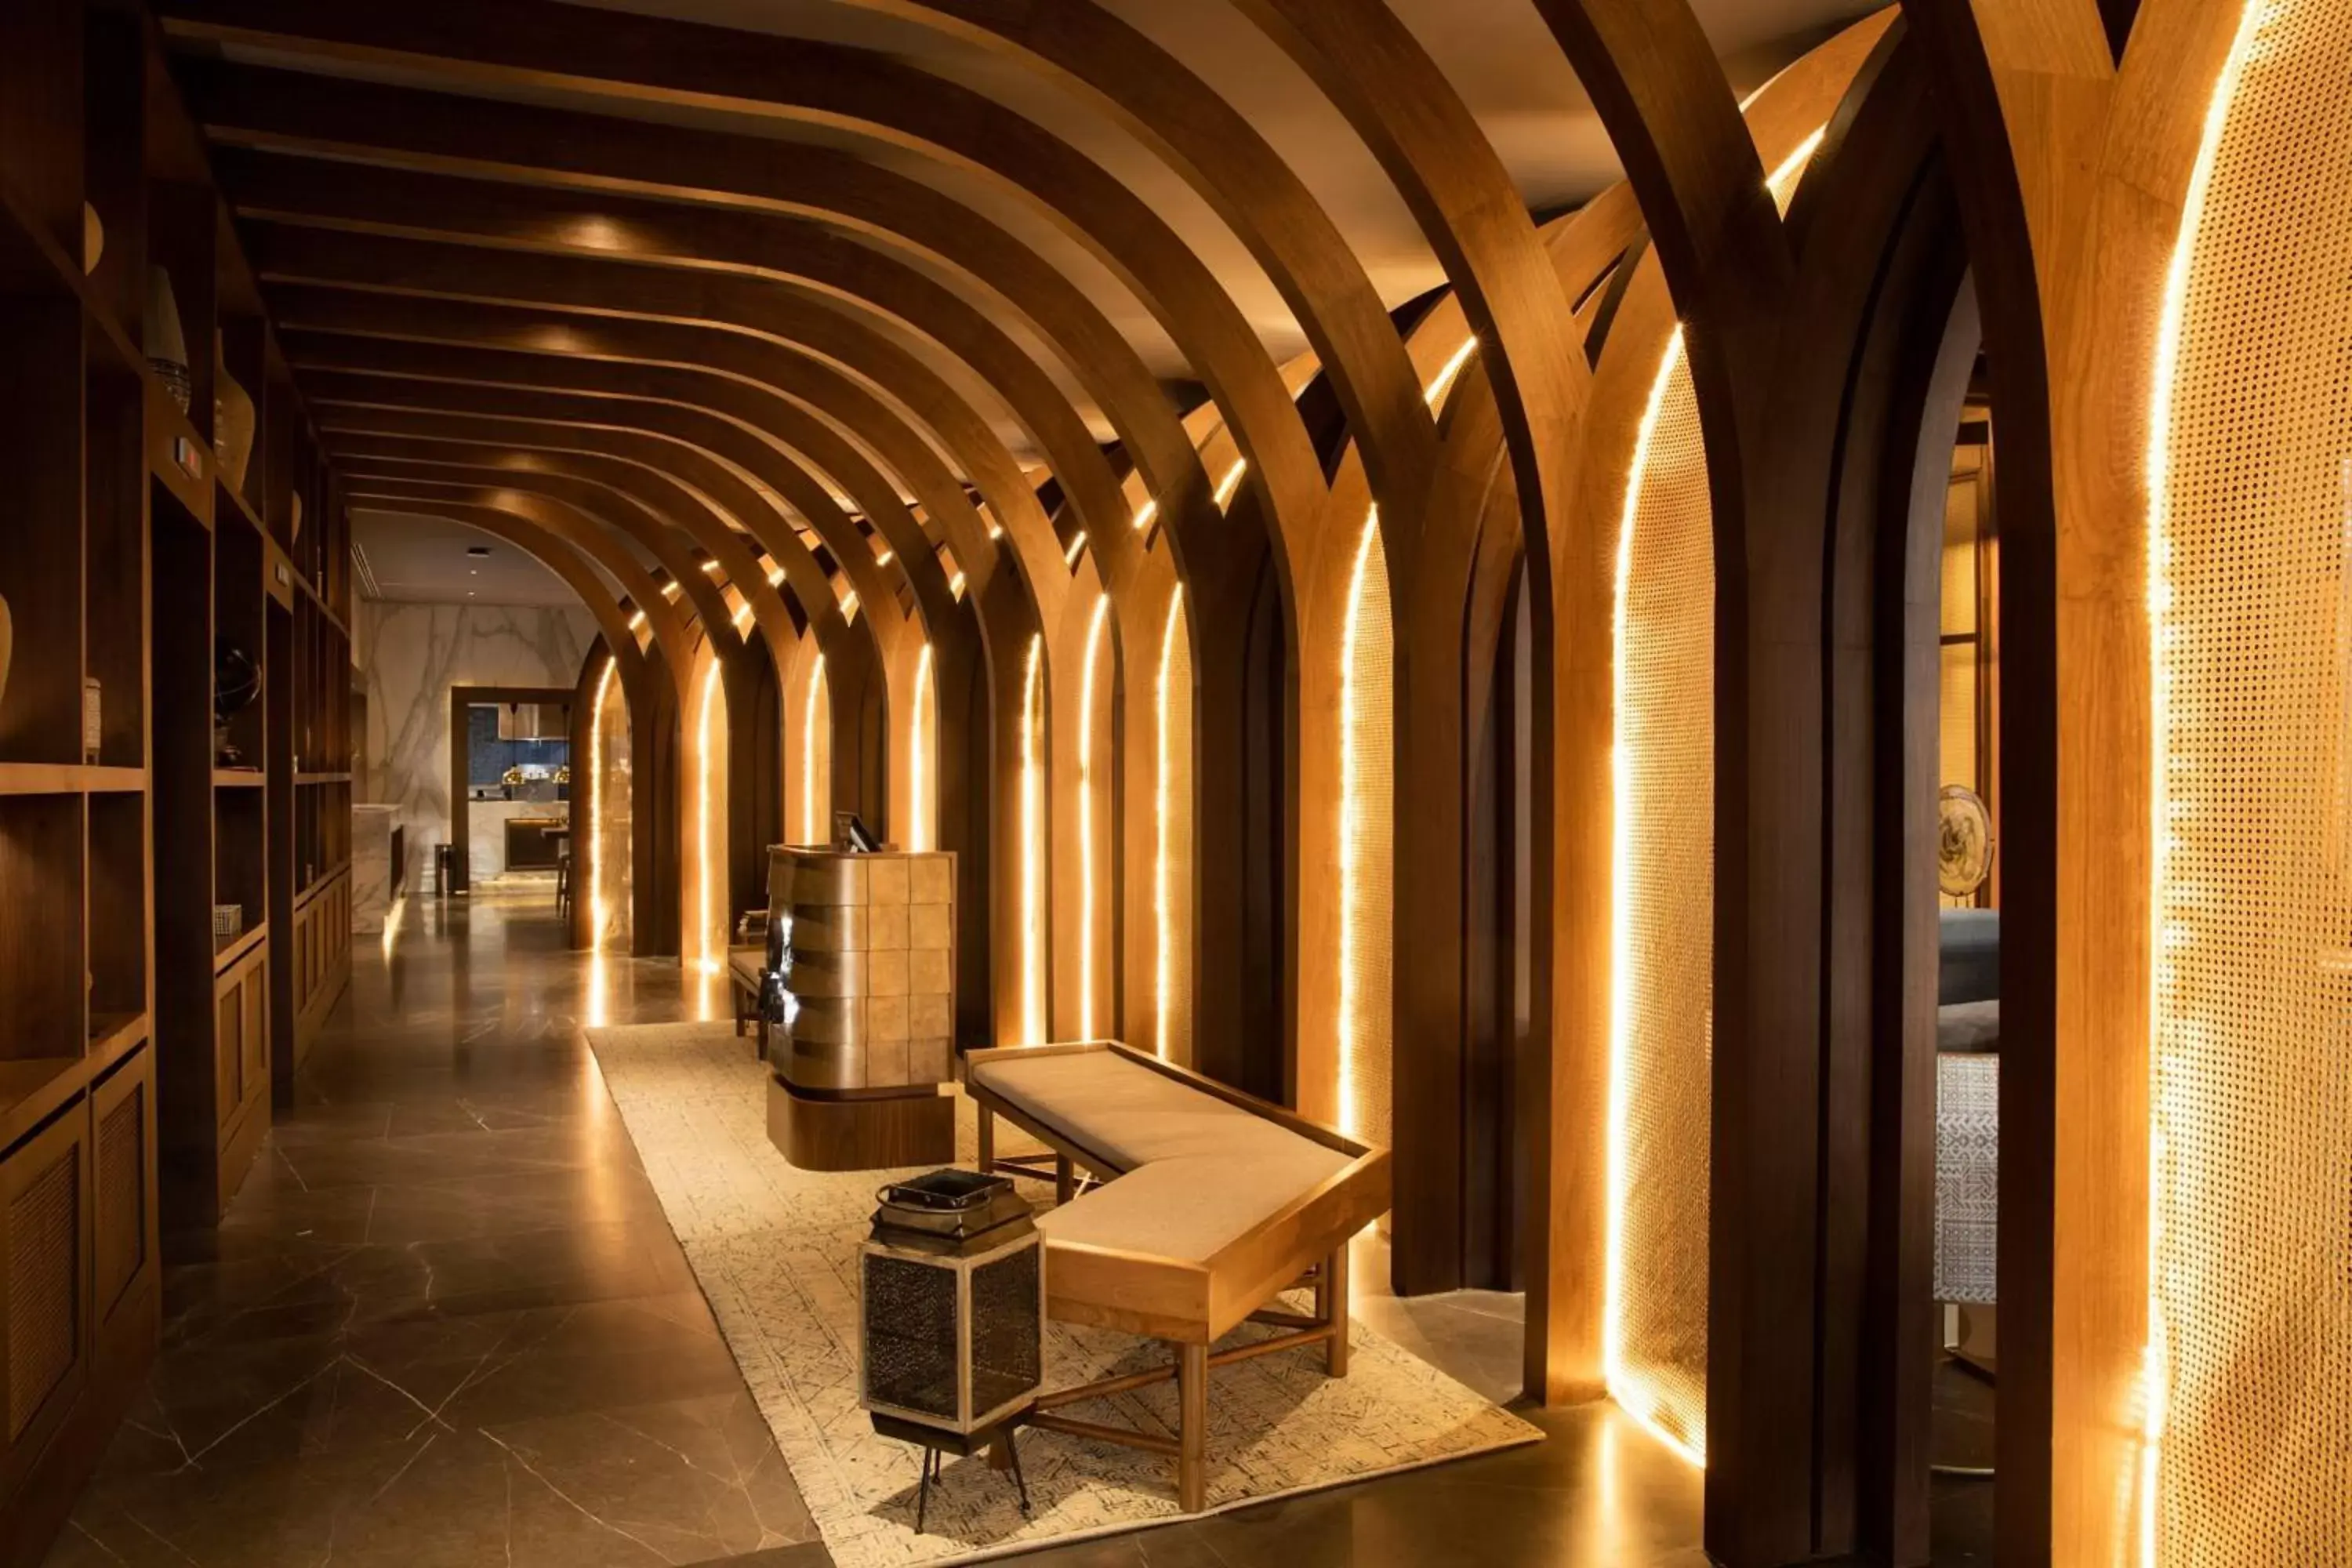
(987, 1140)
(1065, 1179)
(1192, 1427)
(1331, 1306)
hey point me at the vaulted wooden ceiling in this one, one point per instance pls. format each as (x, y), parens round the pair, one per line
(811, 268)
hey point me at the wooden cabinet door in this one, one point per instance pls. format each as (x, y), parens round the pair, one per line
(123, 1181)
(228, 1052)
(256, 1039)
(44, 1252)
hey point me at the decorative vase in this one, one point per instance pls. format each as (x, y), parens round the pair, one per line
(167, 344)
(93, 239)
(233, 422)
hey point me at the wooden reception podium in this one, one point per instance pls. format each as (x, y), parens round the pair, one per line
(867, 1045)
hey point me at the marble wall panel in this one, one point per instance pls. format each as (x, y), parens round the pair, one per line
(410, 655)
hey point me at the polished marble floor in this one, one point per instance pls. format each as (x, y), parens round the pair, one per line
(445, 1323)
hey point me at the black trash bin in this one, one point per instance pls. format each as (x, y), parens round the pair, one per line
(444, 869)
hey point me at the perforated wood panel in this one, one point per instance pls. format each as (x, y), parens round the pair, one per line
(1367, 833)
(44, 1267)
(2253, 991)
(1660, 1088)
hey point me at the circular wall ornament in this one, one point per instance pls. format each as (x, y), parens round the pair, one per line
(1963, 841)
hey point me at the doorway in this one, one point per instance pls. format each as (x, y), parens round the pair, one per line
(509, 785)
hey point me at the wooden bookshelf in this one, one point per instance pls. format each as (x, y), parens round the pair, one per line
(137, 1054)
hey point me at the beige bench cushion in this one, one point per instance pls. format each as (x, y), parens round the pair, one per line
(746, 961)
(1200, 1173)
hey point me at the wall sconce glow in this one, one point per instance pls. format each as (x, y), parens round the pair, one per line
(706, 849)
(671, 590)
(743, 619)
(918, 764)
(1451, 368)
(637, 620)
(1231, 482)
(850, 604)
(1086, 819)
(776, 577)
(811, 815)
(711, 566)
(955, 586)
(1033, 849)
(1163, 869)
(1077, 548)
(1144, 514)
(886, 557)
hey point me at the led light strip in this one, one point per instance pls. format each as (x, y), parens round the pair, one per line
(1032, 852)
(1625, 1385)
(1351, 873)
(918, 826)
(810, 826)
(1086, 819)
(1452, 367)
(709, 964)
(1163, 899)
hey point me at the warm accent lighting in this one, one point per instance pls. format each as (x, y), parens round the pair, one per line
(638, 621)
(1077, 545)
(705, 784)
(1163, 870)
(1144, 514)
(812, 818)
(1637, 1387)
(1086, 818)
(711, 566)
(1451, 368)
(955, 587)
(1366, 792)
(1034, 1027)
(886, 557)
(776, 578)
(1231, 482)
(918, 805)
(671, 589)
(2233, 1000)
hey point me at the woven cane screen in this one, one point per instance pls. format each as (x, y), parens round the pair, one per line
(43, 1267)
(1662, 1075)
(2253, 991)
(1367, 831)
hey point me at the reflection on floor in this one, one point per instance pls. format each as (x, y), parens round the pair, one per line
(445, 1324)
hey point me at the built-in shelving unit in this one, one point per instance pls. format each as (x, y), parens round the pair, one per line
(137, 1048)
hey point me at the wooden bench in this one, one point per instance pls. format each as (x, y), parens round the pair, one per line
(744, 965)
(1210, 1205)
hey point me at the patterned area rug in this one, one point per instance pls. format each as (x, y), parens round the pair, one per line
(775, 1249)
